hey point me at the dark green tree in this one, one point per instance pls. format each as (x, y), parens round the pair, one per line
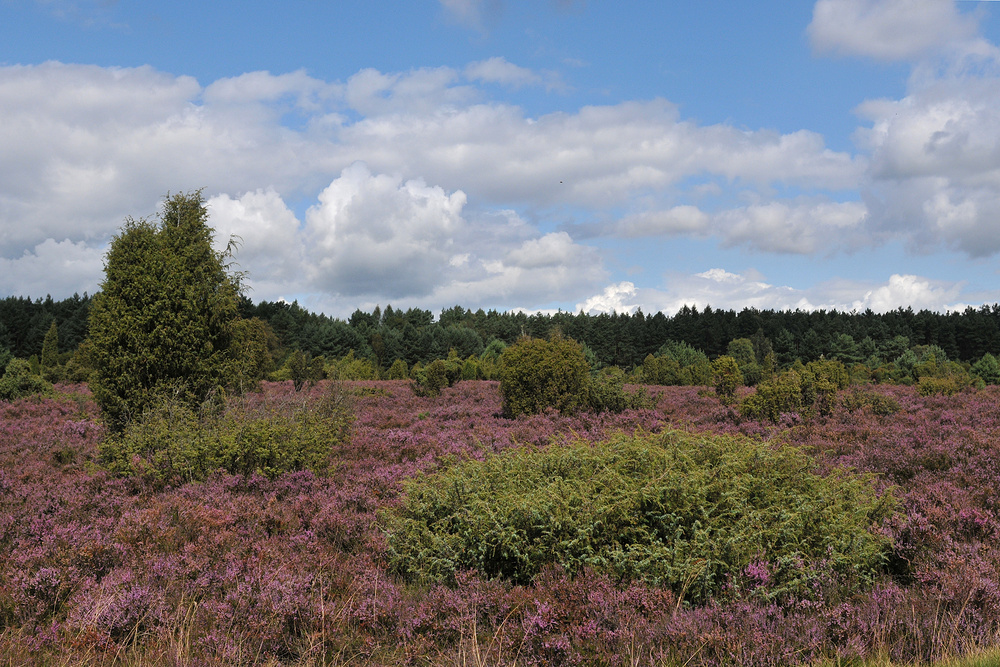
(50, 347)
(164, 321)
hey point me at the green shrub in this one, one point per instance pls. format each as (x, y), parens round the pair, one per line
(677, 363)
(682, 510)
(877, 404)
(163, 323)
(536, 374)
(431, 379)
(398, 370)
(606, 393)
(726, 377)
(174, 443)
(18, 381)
(987, 369)
(937, 386)
(775, 397)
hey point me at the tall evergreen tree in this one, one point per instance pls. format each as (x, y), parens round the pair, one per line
(164, 320)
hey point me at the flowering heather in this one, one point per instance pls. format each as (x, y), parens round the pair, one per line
(245, 569)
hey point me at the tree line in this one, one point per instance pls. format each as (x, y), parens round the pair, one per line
(615, 339)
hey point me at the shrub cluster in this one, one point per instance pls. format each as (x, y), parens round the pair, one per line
(538, 374)
(809, 389)
(173, 443)
(691, 512)
(17, 381)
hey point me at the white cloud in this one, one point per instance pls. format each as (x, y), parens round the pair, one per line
(499, 70)
(934, 176)
(470, 13)
(614, 299)
(57, 268)
(913, 291)
(722, 289)
(374, 234)
(891, 29)
(686, 220)
(799, 227)
(598, 156)
(270, 247)
(418, 218)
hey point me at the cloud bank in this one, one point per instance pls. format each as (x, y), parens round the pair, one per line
(419, 187)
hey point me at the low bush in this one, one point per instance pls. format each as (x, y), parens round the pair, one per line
(536, 374)
(691, 512)
(173, 443)
(606, 393)
(878, 404)
(18, 381)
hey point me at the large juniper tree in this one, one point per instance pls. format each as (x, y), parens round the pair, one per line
(164, 321)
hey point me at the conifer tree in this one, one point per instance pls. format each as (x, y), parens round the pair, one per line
(164, 321)
(50, 347)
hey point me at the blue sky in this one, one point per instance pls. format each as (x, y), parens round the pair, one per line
(499, 154)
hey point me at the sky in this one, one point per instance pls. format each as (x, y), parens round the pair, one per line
(516, 155)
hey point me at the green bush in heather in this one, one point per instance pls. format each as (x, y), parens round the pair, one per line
(18, 381)
(687, 511)
(537, 374)
(726, 377)
(606, 393)
(174, 443)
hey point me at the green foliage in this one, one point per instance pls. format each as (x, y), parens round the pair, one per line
(351, 368)
(174, 443)
(780, 395)
(681, 510)
(398, 370)
(18, 381)
(987, 369)
(164, 321)
(877, 404)
(606, 393)
(677, 363)
(50, 347)
(440, 373)
(252, 343)
(80, 366)
(743, 352)
(805, 390)
(930, 385)
(431, 379)
(536, 374)
(726, 377)
(820, 382)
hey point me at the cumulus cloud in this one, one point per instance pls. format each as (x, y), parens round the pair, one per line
(891, 29)
(614, 299)
(373, 234)
(934, 174)
(51, 267)
(599, 156)
(269, 244)
(685, 219)
(804, 228)
(722, 289)
(375, 238)
(913, 291)
(421, 190)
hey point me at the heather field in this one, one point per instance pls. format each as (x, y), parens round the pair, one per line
(101, 570)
